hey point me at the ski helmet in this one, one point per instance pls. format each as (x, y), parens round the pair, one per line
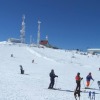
(78, 73)
(90, 73)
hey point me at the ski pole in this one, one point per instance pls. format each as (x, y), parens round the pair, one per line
(91, 83)
(56, 82)
(83, 84)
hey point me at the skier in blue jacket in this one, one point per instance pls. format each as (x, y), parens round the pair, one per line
(88, 78)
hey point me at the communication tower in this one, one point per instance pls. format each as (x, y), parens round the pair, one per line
(38, 35)
(22, 31)
(30, 39)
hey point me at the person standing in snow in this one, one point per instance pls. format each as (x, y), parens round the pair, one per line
(93, 95)
(98, 84)
(33, 61)
(88, 78)
(21, 69)
(11, 55)
(89, 95)
(78, 81)
(52, 79)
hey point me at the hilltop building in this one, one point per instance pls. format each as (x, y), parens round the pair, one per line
(46, 43)
(14, 40)
(93, 51)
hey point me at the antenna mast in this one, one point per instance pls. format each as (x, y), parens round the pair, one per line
(30, 39)
(22, 31)
(38, 35)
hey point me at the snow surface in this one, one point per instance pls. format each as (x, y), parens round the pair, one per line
(34, 83)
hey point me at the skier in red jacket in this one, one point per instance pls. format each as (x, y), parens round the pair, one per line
(78, 80)
(77, 91)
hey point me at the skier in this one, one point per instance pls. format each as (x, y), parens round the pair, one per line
(78, 80)
(98, 84)
(88, 78)
(77, 90)
(11, 55)
(52, 79)
(33, 61)
(21, 69)
(93, 95)
(89, 95)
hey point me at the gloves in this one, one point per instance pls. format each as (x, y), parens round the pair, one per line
(81, 78)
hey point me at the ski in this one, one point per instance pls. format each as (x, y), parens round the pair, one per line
(55, 88)
(91, 88)
(82, 91)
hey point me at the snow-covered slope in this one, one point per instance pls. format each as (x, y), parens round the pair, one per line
(34, 83)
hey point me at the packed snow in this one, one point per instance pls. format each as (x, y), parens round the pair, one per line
(33, 85)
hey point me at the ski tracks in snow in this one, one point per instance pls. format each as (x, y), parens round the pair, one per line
(38, 54)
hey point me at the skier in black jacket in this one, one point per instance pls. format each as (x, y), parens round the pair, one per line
(52, 79)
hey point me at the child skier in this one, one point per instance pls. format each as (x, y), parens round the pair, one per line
(88, 78)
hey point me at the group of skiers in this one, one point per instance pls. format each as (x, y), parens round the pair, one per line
(91, 95)
(78, 82)
(77, 78)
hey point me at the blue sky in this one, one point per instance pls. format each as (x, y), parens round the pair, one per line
(69, 24)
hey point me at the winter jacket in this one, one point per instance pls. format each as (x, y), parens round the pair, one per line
(89, 77)
(78, 79)
(52, 76)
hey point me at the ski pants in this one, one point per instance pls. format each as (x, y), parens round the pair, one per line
(51, 83)
(78, 86)
(88, 83)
